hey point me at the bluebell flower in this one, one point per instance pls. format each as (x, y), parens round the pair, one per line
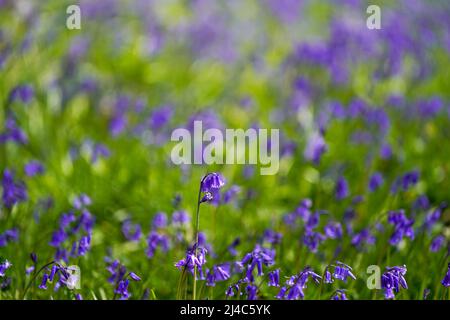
(4, 265)
(84, 245)
(339, 295)
(333, 230)
(131, 232)
(180, 218)
(82, 201)
(312, 240)
(392, 280)
(11, 235)
(159, 220)
(274, 278)
(155, 240)
(251, 292)
(375, 181)
(218, 273)
(403, 226)
(343, 271)
(23, 93)
(446, 281)
(33, 168)
(295, 285)
(13, 133)
(437, 243)
(13, 192)
(195, 257)
(362, 238)
(256, 259)
(342, 190)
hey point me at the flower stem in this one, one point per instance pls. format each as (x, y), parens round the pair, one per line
(197, 223)
(34, 278)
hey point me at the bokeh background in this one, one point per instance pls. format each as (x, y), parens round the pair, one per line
(93, 110)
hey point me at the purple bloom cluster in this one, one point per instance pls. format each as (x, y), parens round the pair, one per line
(13, 191)
(11, 235)
(73, 226)
(295, 285)
(120, 278)
(403, 226)
(341, 272)
(392, 280)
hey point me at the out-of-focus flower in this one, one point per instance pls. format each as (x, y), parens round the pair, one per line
(403, 226)
(13, 192)
(339, 295)
(375, 181)
(342, 190)
(131, 232)
(437, 243)
(23, 93)
(33, 168)
(446, 281)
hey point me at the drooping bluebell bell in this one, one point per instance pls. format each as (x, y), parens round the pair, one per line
(13, 191)
(296, 284)
(312, 239)
(120, 278)
(364, 237)
(210, 186)
(341, 190)
(333, 230)
(219, 272)
(274, 278)
(257, 258)
(11, 235)
(33, 168)
(446, 281)
(343, 271)
(251, 292)
(339, 295)
(13, 133)
(437, 243)
(4, 265)
(195, 258)
(131, 231)
(155, 240)
(403, 226)
(23, 93)
(180, 218)
(375, 181)
(159, 220)
(232, 247)
(392, 280)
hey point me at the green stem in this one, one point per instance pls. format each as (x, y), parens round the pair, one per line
(34, 278)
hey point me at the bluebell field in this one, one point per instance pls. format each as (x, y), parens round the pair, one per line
(92, 207)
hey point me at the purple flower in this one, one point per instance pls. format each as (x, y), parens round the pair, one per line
(195, 257)
(343, 271)
(312, 240)
(84, 245)
(33, 168)
(342, 190)
(339, 295)
(315, 148)
(159, 220)
(131, 232)
(333, 230)
(392, 280)
(256, 259)
(437, 243)
(160, 117)
(13, 133)
(13, 192)
(274, 278)
(446, 281)
(295, 285)
(5, 265)
(11, 235)
(180, 218)
(376, 180)
(218, 273)
(251, 292)
(363, 237)
(210, 186)
(23, 93)
(156, 240)
(402, 226)
(81, 201)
